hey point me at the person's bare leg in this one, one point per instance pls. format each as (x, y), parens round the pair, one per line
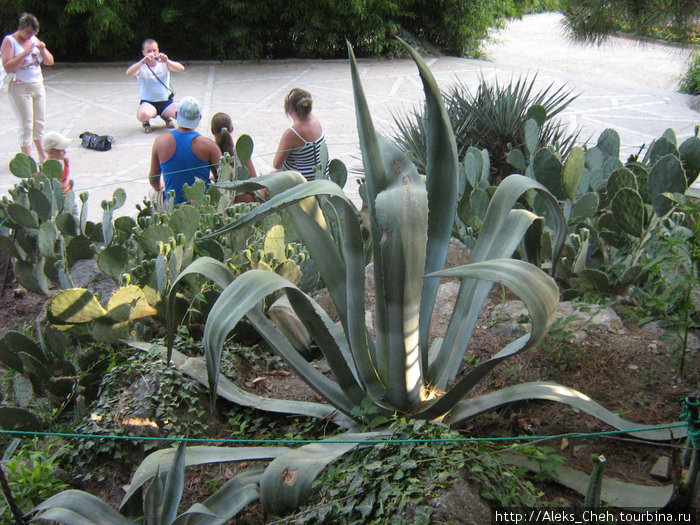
(144, 114)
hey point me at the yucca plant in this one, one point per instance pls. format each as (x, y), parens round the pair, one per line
(400, 370)
(492, 118)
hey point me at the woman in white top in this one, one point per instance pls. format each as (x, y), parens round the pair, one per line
(22, 54)
(301, 145)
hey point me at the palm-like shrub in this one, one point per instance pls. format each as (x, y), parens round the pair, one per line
(492, 118)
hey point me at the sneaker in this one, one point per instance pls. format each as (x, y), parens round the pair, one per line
(147, 127)
(170, 123)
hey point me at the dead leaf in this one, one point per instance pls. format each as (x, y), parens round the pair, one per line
(289, 476)
(564, 444)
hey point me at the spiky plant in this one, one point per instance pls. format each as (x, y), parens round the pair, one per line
(400, 370)
(492, 118)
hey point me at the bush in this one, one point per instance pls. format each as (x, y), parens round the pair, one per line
(32, 475)
(690, 81)
(84, 30)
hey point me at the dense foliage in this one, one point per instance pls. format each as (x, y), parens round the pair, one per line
(80, 30)
(594, 20)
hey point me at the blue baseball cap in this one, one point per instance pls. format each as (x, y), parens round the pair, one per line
(188, 113)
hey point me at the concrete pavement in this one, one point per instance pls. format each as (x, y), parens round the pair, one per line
(624, 86)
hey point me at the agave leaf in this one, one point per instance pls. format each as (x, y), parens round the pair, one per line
(441, 185)
(286, 483)
(539, 293)
(162, 459)
(197, 513)
(498, 239)
(153, 500)
(350, 368)
(323, 386)
(470, 408)
(195, 367)
(617, 494)
(75, 507)
(226, 502)
(240, 298)
(402, 217)
(376, 180)
(174, 483)
(211, 269)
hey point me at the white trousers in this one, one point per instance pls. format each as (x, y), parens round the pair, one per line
(28, 101)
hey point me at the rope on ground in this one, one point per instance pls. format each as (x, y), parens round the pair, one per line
(309, 441)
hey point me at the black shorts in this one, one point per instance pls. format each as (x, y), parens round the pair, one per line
(160, 105)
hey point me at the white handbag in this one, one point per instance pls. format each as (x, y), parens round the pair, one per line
(5, 79)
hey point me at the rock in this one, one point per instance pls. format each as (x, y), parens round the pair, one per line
(653, 328)
(582, 452)
(444, 306)
(661, 469)
(457, 254)
(369, 278)
(695, 103)
(576, 318)
(86, 274)
(323, 298)
(461, 505)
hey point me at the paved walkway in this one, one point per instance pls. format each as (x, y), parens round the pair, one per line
(623, 86)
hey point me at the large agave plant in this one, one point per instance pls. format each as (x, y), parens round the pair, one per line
(400, 370)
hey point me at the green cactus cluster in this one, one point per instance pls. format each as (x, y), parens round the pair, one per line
(38, 228)
(611, 207)
(46, 376)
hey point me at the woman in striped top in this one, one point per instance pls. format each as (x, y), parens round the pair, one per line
(301, 145)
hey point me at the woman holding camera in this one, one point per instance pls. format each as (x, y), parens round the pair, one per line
(22, 55)
(153, 75)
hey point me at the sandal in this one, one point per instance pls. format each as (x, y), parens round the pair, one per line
(170, 123)
(147, 127)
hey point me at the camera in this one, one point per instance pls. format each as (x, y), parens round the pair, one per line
(158, 58)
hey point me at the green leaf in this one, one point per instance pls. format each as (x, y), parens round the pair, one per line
(609, 143)
(52, 169)
(666, 176)
(66, 224)
(151, 236)
(549, 172)
(32, 276)
(74, 306)
(244, 148)
(628, 211)
(22, 215)
(468, 409)
(286, 483)
(113, 261)
(75, 507)
(573, 169)
(39, 203)
(12, 418)
(200, 455)
(23, 166)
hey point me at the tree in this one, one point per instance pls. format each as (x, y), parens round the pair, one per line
(594, 20)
